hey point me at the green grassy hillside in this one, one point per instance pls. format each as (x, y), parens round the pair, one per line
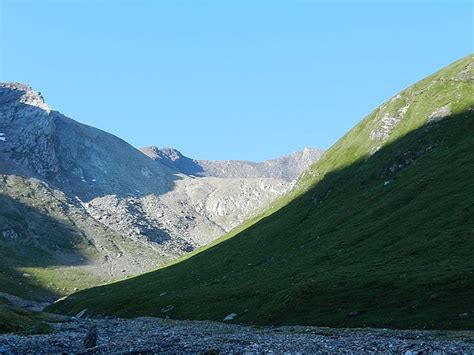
(379, 232)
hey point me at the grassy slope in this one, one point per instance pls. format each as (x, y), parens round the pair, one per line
(17, 320)
(54, 253)
(343, 249)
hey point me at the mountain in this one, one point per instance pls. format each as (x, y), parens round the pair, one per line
(287, 168)
(80, 207)
(379, 232)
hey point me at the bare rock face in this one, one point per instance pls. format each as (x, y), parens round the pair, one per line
(27, 130)
(90, 341)
(287, 168)
(88, 203)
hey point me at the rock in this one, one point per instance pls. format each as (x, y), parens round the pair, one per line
(288, 167)
(108, 191)
(82, 314)
(230, 317)
(90, 341)
(148, 335)
(167, 309)
(440, 113)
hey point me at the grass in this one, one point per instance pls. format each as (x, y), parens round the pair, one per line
(379, 239)
(20, 321)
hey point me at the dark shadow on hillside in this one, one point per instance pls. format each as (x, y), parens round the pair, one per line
(31, 238)
(382, 166)
(264, 262)
(173, 159)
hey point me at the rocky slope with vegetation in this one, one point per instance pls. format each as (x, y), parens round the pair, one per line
(80, 207)
(378, 232)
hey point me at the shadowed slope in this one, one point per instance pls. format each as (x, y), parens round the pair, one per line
(379, 232)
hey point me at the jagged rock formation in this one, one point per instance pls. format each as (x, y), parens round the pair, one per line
(287, 168)
(80, 200)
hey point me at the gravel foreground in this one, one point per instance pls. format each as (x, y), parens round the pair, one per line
(155, 335)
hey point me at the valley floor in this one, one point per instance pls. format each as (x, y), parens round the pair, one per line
(154, 335)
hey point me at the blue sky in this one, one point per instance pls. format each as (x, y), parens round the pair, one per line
(227, 79)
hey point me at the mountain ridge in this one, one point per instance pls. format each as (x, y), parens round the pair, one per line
(287, 167)
(377, 233)
(119, 212)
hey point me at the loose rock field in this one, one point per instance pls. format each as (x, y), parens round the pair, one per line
(153, 335)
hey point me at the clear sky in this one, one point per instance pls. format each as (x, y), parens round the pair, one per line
(227, 79)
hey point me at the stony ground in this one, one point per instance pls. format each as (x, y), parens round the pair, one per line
(153, 335)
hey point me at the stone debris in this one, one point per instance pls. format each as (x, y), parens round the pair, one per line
(440, 113)
(155, 335)
(82, 314)
(137, 212)
(90, 341)
(230, 317)
(167, 309)
(387, 124)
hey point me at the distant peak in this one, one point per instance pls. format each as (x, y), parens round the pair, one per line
(30, 96)
(160, 153)
(171, 153)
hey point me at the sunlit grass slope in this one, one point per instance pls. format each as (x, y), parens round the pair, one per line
(379, 232)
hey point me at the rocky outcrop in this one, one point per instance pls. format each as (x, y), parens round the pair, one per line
(88, 202)
(287, 168)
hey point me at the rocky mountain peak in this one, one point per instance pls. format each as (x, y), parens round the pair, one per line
(170, 153)
(28, 96)
(288, 167)
(131, 210)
